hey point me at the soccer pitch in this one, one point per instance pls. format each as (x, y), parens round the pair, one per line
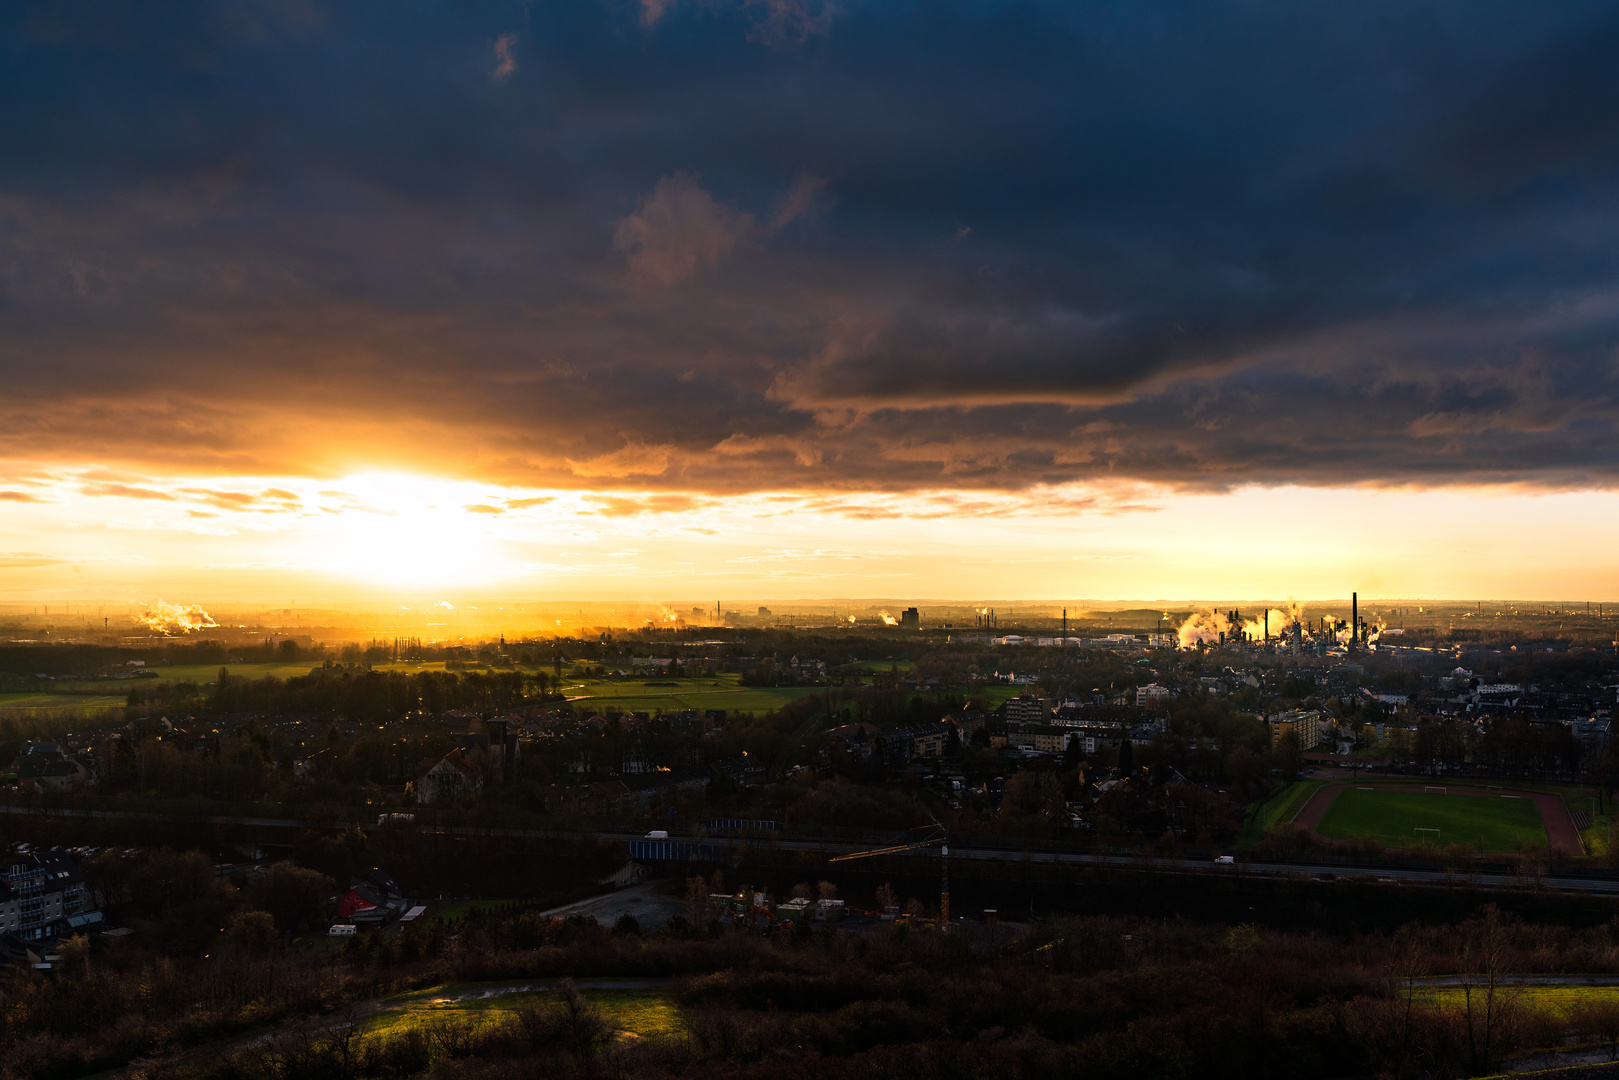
(1391, 818)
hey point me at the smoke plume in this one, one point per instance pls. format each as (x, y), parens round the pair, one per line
(1207, 626)
(1203, 627)
(172, 620)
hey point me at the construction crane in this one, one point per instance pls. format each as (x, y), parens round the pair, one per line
(939, 835)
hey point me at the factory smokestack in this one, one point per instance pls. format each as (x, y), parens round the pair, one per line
(1354, 617)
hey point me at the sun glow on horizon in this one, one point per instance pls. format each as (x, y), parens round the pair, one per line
(409, 533)
(374, 534)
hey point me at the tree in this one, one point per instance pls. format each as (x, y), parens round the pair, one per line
(1288, 756)
(1600, 1020)
(292, 894)
(251, 931)
(1489, 1003)
(584, 1027)
(74, 955)
(1073, 755)
(1127, 757)
(697, 899)
(1032, 794)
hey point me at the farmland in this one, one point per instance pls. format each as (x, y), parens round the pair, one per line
(708, 692)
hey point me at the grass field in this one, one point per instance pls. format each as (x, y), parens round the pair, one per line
(710, 692)
(1389, 817)
(1555, 1001)
(640, 1012)
(37, 700)
(1277, 811)
(996, 694)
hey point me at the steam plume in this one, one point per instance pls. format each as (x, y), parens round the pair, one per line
(172, 619)
(1207, 626)
(1203, 626)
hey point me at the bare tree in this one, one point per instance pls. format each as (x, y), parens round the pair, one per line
(1489, 1002)
(1600, 1020)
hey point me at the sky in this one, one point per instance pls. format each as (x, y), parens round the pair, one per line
(792, 298)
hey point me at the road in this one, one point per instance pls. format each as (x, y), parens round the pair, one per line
(1392, 874)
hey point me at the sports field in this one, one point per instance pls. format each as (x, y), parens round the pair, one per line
(1391, 818)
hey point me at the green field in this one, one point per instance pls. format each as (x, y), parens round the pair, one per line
(640, 1012)
(32, 701)
(1489, 822)
(996, 693)
(710, 692)
(1277, 812)
(720, 691)
(1556, 1002)
(203, 674)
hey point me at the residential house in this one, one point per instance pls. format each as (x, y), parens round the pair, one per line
(1039, 738)
(46, 767)
(856, 740)
(1026, 709)
(375, 899)
(967, 724)
(1151, 695)
(1304, 723)
(1592, 737)
(916, 741)
(459, 773)
(42, 896)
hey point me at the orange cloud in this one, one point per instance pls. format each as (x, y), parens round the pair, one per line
(634, 459)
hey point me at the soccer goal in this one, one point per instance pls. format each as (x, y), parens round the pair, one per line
(1494, 789)
(1426, 834)
(1434, 791)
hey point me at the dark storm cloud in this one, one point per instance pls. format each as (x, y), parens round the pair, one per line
(715, 245)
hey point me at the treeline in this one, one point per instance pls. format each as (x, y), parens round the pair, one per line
(357, 693)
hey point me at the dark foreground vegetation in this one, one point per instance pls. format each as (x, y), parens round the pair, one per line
(208, 991)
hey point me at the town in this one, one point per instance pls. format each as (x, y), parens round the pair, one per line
(693, 782)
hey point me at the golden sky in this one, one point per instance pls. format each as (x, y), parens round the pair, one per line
(800, 298)
(90, 535)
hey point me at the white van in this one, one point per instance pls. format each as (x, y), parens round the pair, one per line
(341, 930)
(658, 834)
(1224, 860)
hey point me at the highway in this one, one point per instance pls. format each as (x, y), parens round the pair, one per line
(719, 846)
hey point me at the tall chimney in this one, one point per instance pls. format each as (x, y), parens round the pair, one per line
(1354, 618)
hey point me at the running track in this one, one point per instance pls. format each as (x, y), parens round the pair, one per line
(1560, 830)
